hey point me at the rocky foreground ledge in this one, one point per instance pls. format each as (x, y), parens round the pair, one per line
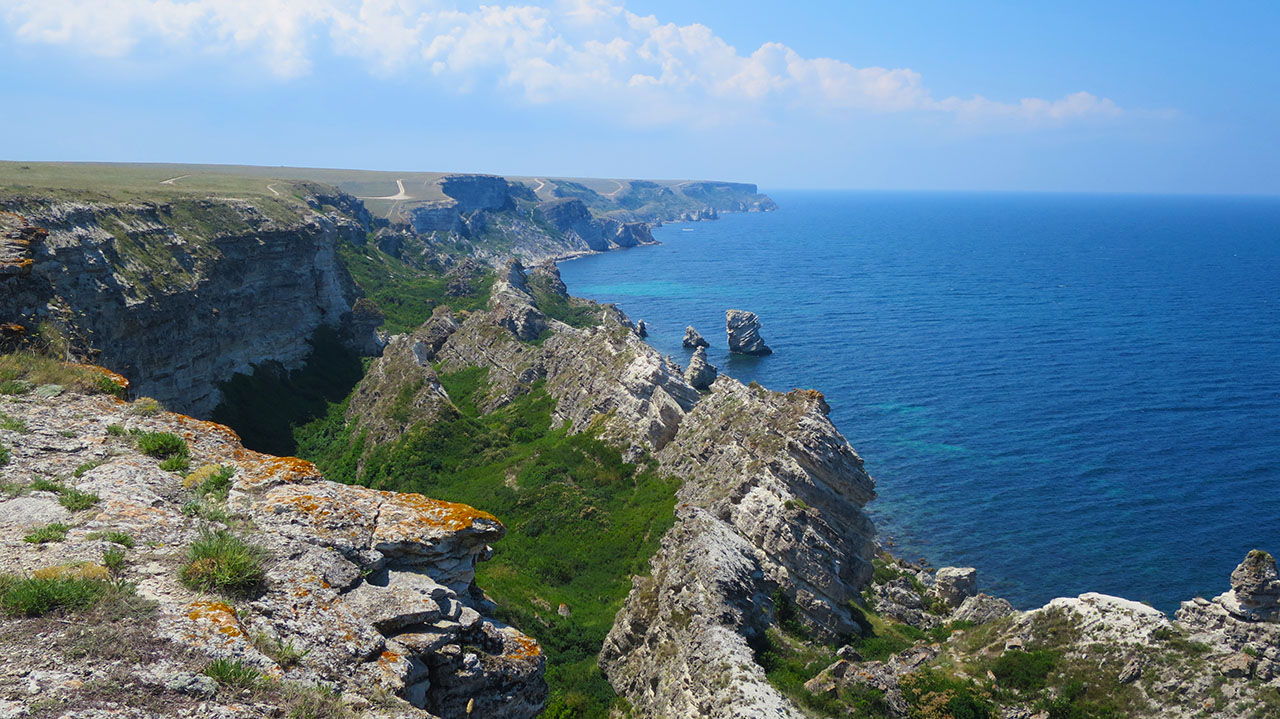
(365, 603)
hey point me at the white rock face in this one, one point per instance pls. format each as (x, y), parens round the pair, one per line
(743, 330)
(1104, 618)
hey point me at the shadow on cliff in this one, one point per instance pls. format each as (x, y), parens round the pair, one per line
(266, 406)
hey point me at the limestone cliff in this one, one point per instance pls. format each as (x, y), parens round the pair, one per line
(365, 603)
(180, 294)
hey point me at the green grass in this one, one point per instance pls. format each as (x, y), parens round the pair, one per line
(572, 311)
(1024, 671)
(789, 661)
(405, 294)
(266, 407)
(218, 483)
(31, 597)
(221, 561)
(41, 484)
(113, 560)
(75, 500)
(13, 424)
(21, 368)
(5, 455)
(234, 673)
(55, 532)
(178, 463)
(87, 467)
(162, 445)
(580, 521)
(115, 537)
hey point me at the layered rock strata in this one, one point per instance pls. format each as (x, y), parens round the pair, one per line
(743, 331)
(179, 295)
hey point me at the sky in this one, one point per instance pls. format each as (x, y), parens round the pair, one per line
(1168, 96)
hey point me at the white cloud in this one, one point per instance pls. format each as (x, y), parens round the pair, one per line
(582, 51)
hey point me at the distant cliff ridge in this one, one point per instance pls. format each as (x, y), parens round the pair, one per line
(181, 276)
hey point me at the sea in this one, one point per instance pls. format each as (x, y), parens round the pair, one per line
(1069, 392)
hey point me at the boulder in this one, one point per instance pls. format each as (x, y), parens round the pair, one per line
(743, 330)
(642, 329)
(953, 585)
(982, 608)
(1255, 588)
(701, 374)
(693, 340)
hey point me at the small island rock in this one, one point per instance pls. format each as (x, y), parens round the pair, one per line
(693, 340)
(642, 329)
(743, 329)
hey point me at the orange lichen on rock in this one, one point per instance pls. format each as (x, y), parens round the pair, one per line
(203, 428)
(412, 515)
(12, 328)
(286, 470)
(221, 616)
(116, 378)
(524, 647)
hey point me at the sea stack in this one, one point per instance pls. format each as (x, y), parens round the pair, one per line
(642, 329)
(700, 373)
(693, 340)
(743, 329)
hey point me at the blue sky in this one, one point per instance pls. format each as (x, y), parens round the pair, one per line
(1081, 96)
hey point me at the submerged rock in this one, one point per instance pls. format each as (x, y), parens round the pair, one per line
(693, 340)
(701, 374)
(743, 329)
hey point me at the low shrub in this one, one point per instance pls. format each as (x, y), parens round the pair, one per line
(931, 693)
(55, 532)
(1024, 671)
(221, 561)
(146, 407)
(116, 430)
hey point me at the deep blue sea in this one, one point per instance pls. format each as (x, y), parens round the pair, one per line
(1069, 392)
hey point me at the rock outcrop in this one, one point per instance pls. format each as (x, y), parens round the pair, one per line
(701, 373)
(1255, 589)
(743, 330)
(693, 340)
(372, 592)
(775, 485)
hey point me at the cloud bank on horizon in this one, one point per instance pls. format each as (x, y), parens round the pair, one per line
(590, 52)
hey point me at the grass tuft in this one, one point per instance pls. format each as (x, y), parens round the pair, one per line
(35, 597)
(233, 673)
(55, 532)
(221, 561)
(75, 500)
(162, 445)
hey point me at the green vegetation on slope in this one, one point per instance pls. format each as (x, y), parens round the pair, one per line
(580, 521)
(405, 294)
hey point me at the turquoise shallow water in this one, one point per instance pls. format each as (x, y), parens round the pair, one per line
(1071, 393)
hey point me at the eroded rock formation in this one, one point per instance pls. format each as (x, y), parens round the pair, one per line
(743, 330)
(693, 340)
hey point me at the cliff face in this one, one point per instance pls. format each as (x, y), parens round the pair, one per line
(371, 593)
(180, 295)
